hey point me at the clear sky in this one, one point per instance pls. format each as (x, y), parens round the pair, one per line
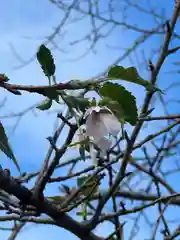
(23, 26)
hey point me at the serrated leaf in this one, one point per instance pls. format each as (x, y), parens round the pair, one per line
(129, 74)
(125, 99)
(114, 106)
(5, 147)
(46, 60)
(45, 105)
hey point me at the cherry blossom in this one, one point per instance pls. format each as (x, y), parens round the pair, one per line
(101, 122)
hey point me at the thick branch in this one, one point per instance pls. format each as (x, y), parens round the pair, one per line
(10, 185)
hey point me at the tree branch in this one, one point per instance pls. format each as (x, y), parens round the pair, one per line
(11, 186)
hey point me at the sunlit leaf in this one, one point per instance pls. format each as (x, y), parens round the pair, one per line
(129, 74)
(82, 214)
(46, 60)
(124, 98)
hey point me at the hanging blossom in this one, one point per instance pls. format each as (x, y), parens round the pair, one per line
(100, 124)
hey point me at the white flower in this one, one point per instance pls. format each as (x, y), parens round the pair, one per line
(103, 143)
(101, 122)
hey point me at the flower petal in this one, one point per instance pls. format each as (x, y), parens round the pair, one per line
(111, 123)
(95, 127)
(97, 109)
(104, 144)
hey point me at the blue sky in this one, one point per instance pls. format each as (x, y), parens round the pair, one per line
(23, 27)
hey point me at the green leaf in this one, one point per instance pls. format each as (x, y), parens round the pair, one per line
(90, 184)
(115, 107)
(46, 60)
(51, 93)
(45, 105)
(3, 77)
(81, 180)
(124, 98)
(129, 74)
(82, 214)
(5, 147)
(79, 103)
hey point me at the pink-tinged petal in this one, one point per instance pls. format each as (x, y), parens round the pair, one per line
(111, 123)
(97, 109)
(91, 109)
(95, 127)
(102, 154)
(104, 144)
